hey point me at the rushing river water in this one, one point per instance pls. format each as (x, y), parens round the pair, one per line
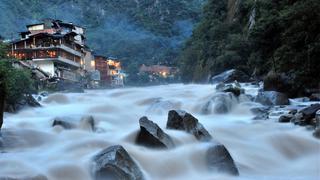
(261, 149)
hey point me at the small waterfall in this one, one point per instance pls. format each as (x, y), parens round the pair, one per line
(252, 18)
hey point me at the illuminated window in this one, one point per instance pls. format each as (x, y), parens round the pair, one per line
(93, 63)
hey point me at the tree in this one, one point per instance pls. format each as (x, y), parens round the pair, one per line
(14, 83)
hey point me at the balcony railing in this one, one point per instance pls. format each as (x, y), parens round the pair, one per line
(62, 46)
(59, 59)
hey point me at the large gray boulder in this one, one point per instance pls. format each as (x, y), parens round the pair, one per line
(310, 111)
(151, 135)
(219, 160)
(272, 98)
(181, 120)
(114, 163)
(308, 114)
(230, 76)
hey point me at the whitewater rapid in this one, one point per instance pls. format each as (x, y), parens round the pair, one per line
(262, 149)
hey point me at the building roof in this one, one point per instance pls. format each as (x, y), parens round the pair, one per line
(29, 25)
(56, 36)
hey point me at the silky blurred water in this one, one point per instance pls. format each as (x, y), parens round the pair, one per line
(261, 149)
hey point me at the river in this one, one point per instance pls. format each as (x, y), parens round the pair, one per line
(262, 149)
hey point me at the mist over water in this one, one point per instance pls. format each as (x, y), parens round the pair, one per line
(261, 149)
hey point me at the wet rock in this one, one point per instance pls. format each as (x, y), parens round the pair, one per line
(114, 163)
(293, 111)
(316, 133)
(220, 103)
(151, 135)
(31, 101)
(87, 122)
(310, 112)
(220, 86)
(261, 113)
(286, 118)
(307, 116)
(38, 177)
(272, 98)
(279, 83)
(63, 123)
(234, 90)
(44, 94)
(181, 120)
(297, 119)
(230, 76)
(315, 97)
(219, 160)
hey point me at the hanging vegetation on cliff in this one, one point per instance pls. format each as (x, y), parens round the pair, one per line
(283, 37)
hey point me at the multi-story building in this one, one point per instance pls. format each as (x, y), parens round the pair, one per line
(110, 71)
(115, 72)
(54, 46)
(159, 70)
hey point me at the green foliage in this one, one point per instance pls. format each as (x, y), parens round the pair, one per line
(285, 39)
(17, 82)
(3, 50)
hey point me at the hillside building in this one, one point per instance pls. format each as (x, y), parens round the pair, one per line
(54, 46)
(110, 71)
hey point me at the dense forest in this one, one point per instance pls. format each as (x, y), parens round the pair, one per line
(258, 37)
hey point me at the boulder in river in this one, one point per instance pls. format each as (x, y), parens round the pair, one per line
(220, 103)
(114, 163)
(219, 159)
(310, 112)
(234, 90)
(261, 113)
(31, 101)
(87, 122)
(181, 120)
(315, 97)
(230, 76)
(63, 123)
(286, 118)
(151, 135)
(272, 98)
(316, 133)
(308, 116)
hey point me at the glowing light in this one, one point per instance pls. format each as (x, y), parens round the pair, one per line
(93, 63)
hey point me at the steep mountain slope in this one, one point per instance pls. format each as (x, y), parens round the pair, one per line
(258, 37)
(136, 31)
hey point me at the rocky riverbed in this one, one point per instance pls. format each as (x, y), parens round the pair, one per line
(221, 131)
